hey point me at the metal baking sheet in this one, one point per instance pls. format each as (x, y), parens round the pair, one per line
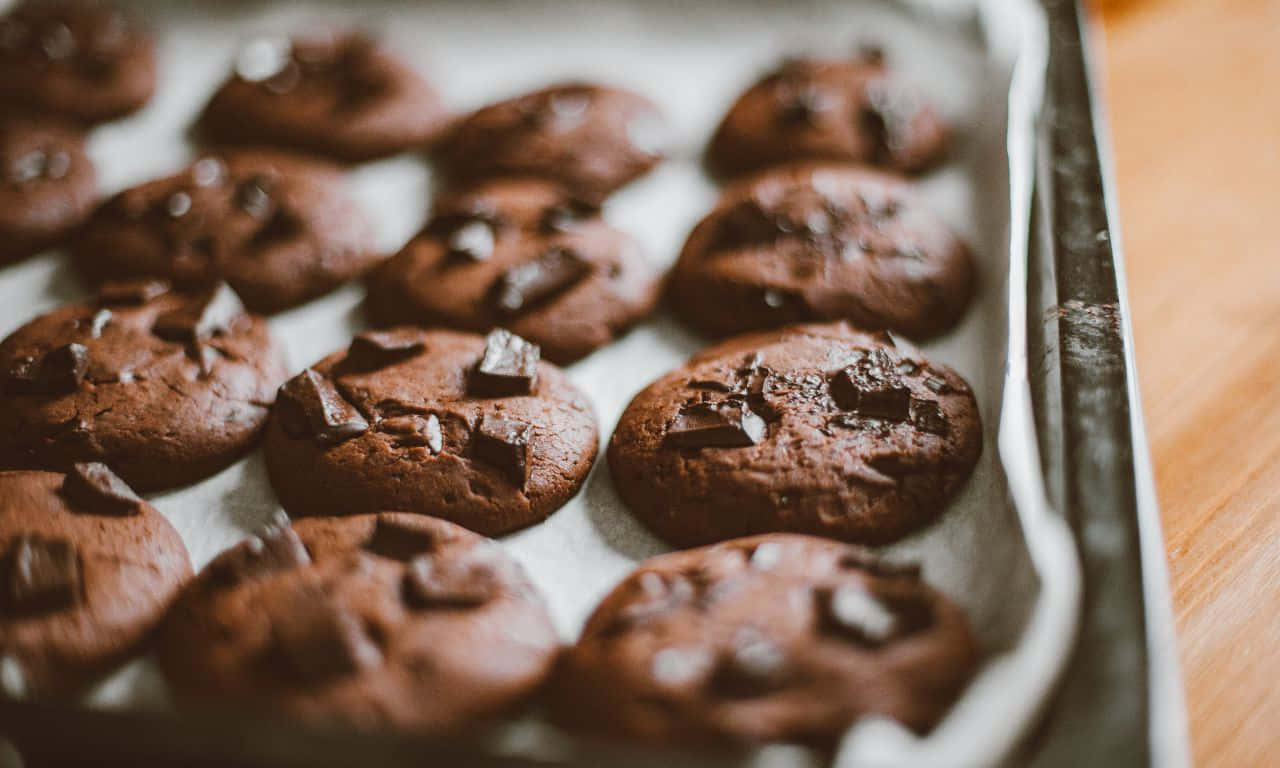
(1001, 551)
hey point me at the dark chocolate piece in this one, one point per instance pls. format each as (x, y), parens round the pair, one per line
(398, 542)
(209, 313)
(60, 370)
(132, 292)
(872, 387)
(277, 550)
(415, 429)
(565, 217)
(525, 285)
(729, 424)
(473, 240)
(323, 641)
(376, 349)
(431, 582)
(41, 575)
(509, 367)
(93, 488)
(253, 196)
(310, 406)
(802, 103)
(504, 444)
(855, 613)
(753, 667)
(927, 415)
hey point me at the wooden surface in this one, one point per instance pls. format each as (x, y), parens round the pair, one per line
(1193, 88)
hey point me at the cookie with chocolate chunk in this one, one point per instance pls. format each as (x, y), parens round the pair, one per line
(380, 620)
(87, 571)
(819, 429)
(476, 430)
(849, 110)
(772, 638)
(340, 94)
(279, 229)
(519, 254)
(47, 184)
(589, 139)
(166, 387)
(82, 60)
(822, 242)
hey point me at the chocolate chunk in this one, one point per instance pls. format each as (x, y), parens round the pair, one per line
(375, 349)
(397, 541)
(323, 641)
(473, 240)
(565, 217)
(715, 425)
(852, 612)
(41, 575)
(509, 367)
(60, 370)
(937, 384)
(132, 292)
(504, 444)
(310, 406)
(754, 666)
(207, 314)
(802, 103)
(431, 582)
(862, 559)
(93, 488)
(277, 550)
(710, 385)
(414, 429)
(748, 223)
(525, 285)
(872, 387)
(253, 196)
(927, 415)
(99, 322)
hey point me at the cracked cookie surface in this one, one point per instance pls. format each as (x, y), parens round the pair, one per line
(818, 429)
(472, 429)
(166, 387)
(374, 620)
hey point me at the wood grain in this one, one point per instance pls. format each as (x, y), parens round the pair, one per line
(1193, 88)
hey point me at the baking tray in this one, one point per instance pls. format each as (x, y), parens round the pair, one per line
(1079, 410)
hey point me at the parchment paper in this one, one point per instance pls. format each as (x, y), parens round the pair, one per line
(997, 551)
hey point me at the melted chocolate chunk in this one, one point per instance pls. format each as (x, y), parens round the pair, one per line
(323, 641)
(753, 667)
(461, 582)
(524, 286)
(277, 550)
(803, 103)
(415, 430)
(396, 541)
(937, 384)
(253, 196)
(206, 315)
(41, 575)
(927, 415)
(509, 367)
(131, 292)
(872, 387)
(311, 407)
(374, 349)
(474, 241)
(729, 424)
(565, 217)
(60, 370)
(853, 612)
(504, 444)
(93, 488)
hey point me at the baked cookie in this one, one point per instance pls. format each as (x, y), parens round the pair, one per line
(47, 184)
(849, 110)
(165, 387)
(805, 243)
(517, 253)
(87, 571)
(771, 638)
(820, 429)
(82, 60)
(340, 94)
(375, 620)
(471, 429)
(589, 139)
(279, 229)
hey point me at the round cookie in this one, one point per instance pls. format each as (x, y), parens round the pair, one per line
(517, 253)
(471, 429)
(165, 387)
(339, 94)
(589, 139)
(805, 243)
(47, 184)
(819, 429)
(87, 571)
(82, 60)
(849, 110)
(281, 230)
(771, 638)
(375, 620)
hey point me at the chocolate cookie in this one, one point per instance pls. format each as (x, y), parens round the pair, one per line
(78, 59)
(589, 139)
(819, 429)
(471, 429)
(519, 254)
(47, 184)
(87, 571)
(165, 387)
(339, 94)
(805, 243)
(279, 229)
(849, 110)
(377, 620)
(771, 638)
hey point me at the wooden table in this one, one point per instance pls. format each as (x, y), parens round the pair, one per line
(1193, 87)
